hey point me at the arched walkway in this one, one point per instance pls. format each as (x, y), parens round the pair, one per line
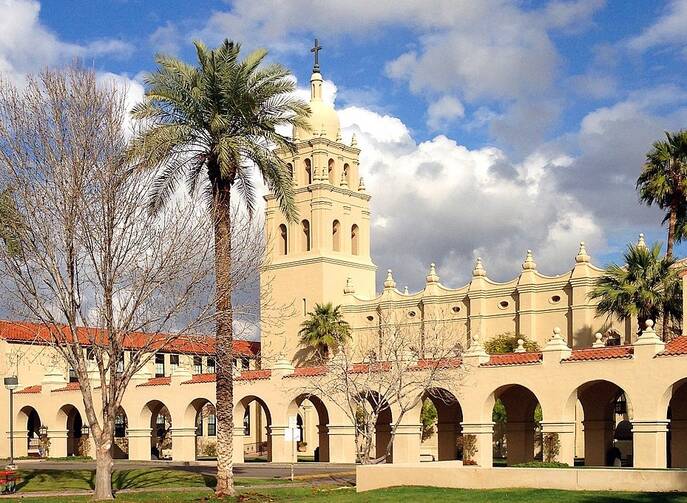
(120, 449)
(441, 441)
(28, 419)
(312, 418)
(516, 414)
(77, 442)
(201, 413)
(160, 421)
(252, 430)
(677, 427)
(606, 415)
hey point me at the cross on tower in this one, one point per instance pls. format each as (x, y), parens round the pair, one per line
(316, 50)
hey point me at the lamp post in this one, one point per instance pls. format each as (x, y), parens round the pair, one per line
(11, 383)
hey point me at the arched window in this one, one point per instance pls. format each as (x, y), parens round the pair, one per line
(283, 245)
(308, 172)
(330, 171)
(355, 238)
(347, 173)
(336, 236)
(305, 225)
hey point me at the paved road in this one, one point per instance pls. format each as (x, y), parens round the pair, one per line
(342, 473)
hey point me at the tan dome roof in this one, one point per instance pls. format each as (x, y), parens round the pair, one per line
(323, 118)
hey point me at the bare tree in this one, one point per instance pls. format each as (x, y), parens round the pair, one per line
(87, 252)
(394, 367)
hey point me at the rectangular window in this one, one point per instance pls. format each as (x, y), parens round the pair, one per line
(246, 422)
(199, 424)
(120, 364)
(159, 365)
(197, 365)
(90, 353)
(212, 425)
(173, 362)
(120, 426)
(72, 375)
(245, 362)
(211, 366)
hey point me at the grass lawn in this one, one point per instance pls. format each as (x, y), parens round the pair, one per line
(142, 478)
(407, 494)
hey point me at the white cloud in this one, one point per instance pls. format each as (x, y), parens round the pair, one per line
(28, 46)
(670, 29)
(444, 111)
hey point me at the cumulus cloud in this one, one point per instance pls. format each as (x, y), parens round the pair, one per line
(28, 46)
(669, 29)
(444, 111)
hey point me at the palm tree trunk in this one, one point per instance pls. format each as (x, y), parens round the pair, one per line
(224, 356)
(672, 222)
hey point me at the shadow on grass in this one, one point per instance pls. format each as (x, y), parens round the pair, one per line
(40, 480)
(144, 479)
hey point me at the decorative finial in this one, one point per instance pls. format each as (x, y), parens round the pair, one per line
(582, 255)
(349, 288)
(361, 186)
(354, 141)
(432, 277)
(556, 334)
(529, 263)
(315, 50)
(641, 243)
(405, 290)
(479, 270)
(389, 283)
(598, 343)
(338, 135)
(521, 346)
(344, 182)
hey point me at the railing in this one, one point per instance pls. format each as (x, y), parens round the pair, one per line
(257, 448)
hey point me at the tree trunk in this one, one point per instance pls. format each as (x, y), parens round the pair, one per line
(103, 470)
(224, 356)
(672, 222)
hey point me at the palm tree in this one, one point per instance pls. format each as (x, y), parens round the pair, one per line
(215, 126)
(325, 329)
(663, 181)
(647, 287)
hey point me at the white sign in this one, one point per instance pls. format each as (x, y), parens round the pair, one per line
(292, 432)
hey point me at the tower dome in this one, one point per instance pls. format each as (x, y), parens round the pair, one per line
(323, 120)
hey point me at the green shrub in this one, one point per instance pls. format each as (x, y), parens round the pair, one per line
(508, 343)
(428, 416)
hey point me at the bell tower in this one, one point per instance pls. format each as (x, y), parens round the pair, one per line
(327, 250)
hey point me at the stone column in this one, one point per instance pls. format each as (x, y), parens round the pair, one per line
(447, 435)
(406, 446)
(58, 443)
(139, 443)
(678, 442)
(566, 437)
(341, 443)
(238, 444)
(483, 433)
(280, 450)
(598, 439)
(20, 442)
(184, 443)
(519, 442)
(323, 442)
(649, 443)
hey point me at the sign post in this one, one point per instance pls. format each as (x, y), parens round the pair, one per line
(292, 434)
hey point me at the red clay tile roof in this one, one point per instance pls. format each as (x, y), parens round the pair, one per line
(157, 381)
(36, 333)
(72, 386)
(254, 375)
(30, 389)
(308, 371)
(200, 378)
(607, 353)
(513, 359)
(677, 346)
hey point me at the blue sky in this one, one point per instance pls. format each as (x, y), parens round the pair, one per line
(487, 127)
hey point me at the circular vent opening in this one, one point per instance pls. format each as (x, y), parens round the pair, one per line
(370, 318)
(556, 299)
(456, 309)
(504, 304)
(411, 314)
